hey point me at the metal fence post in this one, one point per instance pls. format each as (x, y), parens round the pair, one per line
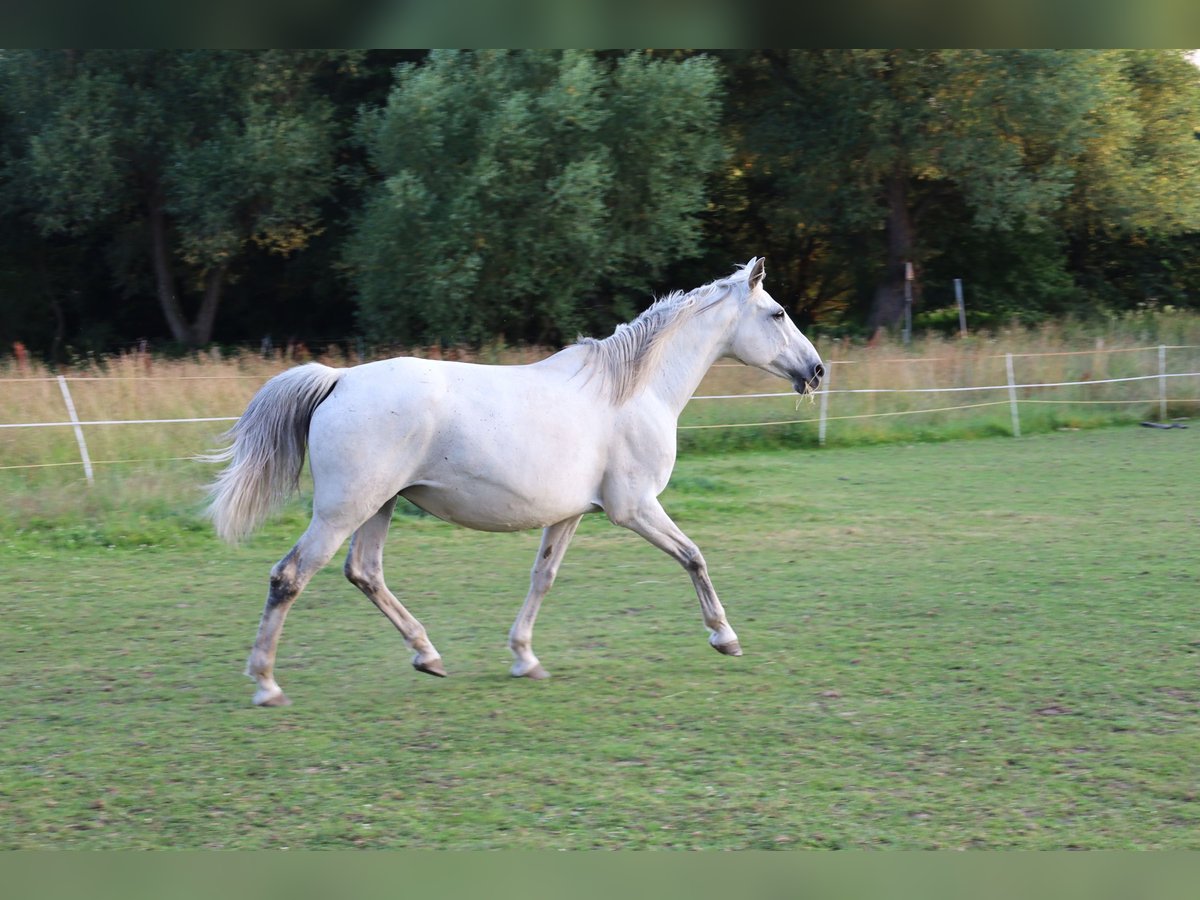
(1012, 395)
(824, 405)
(83, 450)
(962, 309)
(1162, 383)
(908, 280)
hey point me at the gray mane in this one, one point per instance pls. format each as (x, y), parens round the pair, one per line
(625, 359)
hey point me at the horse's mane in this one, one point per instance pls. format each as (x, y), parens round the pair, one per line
(625, 359)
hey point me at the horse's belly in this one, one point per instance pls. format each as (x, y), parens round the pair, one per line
(489, 507)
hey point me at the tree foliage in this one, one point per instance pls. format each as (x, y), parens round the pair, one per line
(875, 144)
(516, 192)
(194, 156)
(463, 196)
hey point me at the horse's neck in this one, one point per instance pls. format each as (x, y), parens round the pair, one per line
(690, 353)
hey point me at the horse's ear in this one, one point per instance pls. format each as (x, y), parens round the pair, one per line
(757, 272)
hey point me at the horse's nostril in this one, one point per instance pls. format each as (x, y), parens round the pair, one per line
(818, 372)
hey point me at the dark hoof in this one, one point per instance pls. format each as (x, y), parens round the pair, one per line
(433, 667)
(731, 648)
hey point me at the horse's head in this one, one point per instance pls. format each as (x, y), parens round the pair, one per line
(764, 336)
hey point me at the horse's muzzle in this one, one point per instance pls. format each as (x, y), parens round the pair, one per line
(807, 383)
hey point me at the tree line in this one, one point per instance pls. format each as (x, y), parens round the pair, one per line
(409, 197)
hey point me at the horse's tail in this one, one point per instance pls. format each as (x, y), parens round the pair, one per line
(267, 448)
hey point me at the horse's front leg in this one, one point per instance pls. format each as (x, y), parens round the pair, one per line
(651, 521)
(364, 569)
(555, 539)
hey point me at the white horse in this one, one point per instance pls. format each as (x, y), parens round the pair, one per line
(495, 448)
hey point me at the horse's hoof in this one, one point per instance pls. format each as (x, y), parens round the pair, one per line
(278, 698)
(432, 667)
(729, 648)
(537, 673)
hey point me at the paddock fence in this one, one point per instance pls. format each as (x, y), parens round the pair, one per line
(148, 413)
(1158, 383)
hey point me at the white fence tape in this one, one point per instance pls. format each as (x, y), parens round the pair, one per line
(950, 390)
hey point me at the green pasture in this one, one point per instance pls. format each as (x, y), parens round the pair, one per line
(983, 644)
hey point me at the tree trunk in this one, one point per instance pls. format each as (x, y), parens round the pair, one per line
(56, 309)
(198, 332)
(214, 280)
(164, 278)
(887, 309)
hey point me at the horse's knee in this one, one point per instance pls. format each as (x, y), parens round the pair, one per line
(362, 577)
(693, 560)
(354, 574)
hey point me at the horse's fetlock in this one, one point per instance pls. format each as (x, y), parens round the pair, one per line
(259, 664)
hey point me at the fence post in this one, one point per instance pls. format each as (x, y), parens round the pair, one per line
(908, 280)
(962, 309)
(1012, 395)
(83, 450)
(1162, 383)
(824, 404)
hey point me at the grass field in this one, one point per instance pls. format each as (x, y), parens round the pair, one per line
(969, 644)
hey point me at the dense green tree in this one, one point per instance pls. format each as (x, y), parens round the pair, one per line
(184, 159)
(529, 193)
(850, 142)
(1133, 216)
(464, 196)
(1126, 234)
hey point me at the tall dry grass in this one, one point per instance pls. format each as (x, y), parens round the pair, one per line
(137, 386)
(147, 467)
(1050, 355)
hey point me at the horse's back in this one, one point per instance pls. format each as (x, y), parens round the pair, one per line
(469, 400)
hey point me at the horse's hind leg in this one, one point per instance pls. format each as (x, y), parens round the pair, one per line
(364, 568)
(555, 539)
(288, 578)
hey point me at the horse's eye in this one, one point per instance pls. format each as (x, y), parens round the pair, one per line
(778, 314)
